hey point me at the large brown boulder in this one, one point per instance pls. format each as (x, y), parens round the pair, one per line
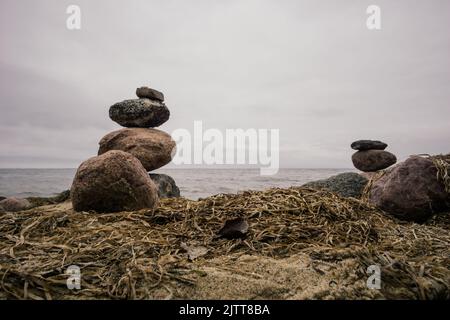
(410, 190)
(14, 204)
(114, 181)
(373, 160)
(152, 147)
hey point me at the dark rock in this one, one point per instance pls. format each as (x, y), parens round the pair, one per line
(363, 145)
(373, 160)
(13, 204)
(165, 185)
(410, 190)
(114, 181)
(63, 196)
(139, 113)
(149, 93)
(348, 184)
(43, 201)
(234, 229)
(153, 147)
(2, 198)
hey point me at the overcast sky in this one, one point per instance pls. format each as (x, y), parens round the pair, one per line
(309, 68)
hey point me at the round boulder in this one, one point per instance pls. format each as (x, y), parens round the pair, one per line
(362, 145)
(348, 184)
(14, 204)
(373, 160)
(152, 147)
(165, 185)
(149, 93)
(115, 181)
(139, 113)
(410, 190)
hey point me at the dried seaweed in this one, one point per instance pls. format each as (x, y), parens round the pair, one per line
(135, 255)
(442, 164)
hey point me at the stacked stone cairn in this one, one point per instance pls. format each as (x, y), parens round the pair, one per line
(371, 156)
(118, 179)
(411, 190)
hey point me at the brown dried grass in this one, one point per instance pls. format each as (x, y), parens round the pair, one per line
(131, 255)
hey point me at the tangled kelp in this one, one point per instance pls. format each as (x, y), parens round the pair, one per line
(137, 255)
(442, 164)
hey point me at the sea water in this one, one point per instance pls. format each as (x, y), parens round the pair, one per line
(193, 183)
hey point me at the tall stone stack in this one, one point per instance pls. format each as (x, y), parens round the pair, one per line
(118, 178)
(371, 156)
(153, 147)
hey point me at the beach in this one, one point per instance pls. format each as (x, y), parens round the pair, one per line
(225, 150)
(301, 244)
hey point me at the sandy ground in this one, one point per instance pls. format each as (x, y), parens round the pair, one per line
(296, 277)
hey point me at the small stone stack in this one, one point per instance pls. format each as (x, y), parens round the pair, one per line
(371, 155)
(118, 179)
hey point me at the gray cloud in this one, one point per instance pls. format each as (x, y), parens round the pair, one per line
(310, 68)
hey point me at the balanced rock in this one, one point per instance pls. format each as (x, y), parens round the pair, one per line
(152, 147)
(114, 181)
(410, 190)
(348, 184)
(363, 145)
(14, 204)
(373, 160)
(140, 113)
(165, 185)
(146, 92)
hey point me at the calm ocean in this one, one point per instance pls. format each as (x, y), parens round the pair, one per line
(193, 183)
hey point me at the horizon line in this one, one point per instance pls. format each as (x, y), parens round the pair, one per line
(172, 168)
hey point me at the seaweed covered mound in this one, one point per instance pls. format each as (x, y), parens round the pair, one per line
(299, 243)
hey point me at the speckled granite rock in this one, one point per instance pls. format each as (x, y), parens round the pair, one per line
(139, 113)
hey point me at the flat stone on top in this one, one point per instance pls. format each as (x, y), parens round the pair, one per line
(149, 93)
(363, 145)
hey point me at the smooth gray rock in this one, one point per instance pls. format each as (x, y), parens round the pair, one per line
(139, 113)
(373, 160)
(348, 184)
(146, 92)
(363, 145)
(165, 185)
